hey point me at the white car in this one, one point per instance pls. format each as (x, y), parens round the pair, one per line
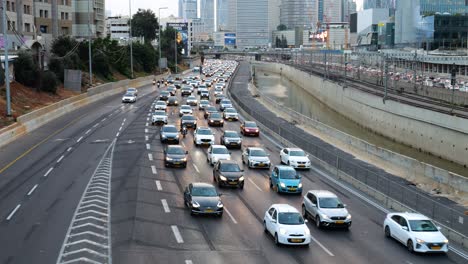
(295, 157)
(220, 85)
(129, 98)
(185, 110)
(192, 100)
(416, 231)
(203, 104)
(326, 209)
(203, 136)
(286, 225)
(255, 157)
(132, 90)
(160, 105)
(194, 83)
(159, 117)
(216, 153)
(225, 103)
(230, 114)
(217, 91)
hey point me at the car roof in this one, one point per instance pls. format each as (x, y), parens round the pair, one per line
(285, 208)
(230, 131)
(175, 146)
(186, 106)
(250, 122)
(227, 161)
(285, 167)
(256, 148)
(203, 128)
(412, 216)
(202, 184)
(218, 146)
(322, 193)
(169, 126)
(294, 149)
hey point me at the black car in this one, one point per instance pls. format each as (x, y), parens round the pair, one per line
(172, 101)
(231, 139)
(175, 156)
(202, 198)
(164, 95)
(215, 119)
(169, 134)
(208, 110)
(186, 91)
(219, 97)
(228, 173)
(188, 121)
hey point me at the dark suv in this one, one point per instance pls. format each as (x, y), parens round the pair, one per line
(228, 173)
(188, 121)
(175, 156)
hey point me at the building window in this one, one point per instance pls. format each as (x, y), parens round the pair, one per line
(46, 13)
(43, 29)
(62, 15)
(41, 13)
(27, 27)
(66, 16)
(8, 5)
(13, 8)
(26, 9)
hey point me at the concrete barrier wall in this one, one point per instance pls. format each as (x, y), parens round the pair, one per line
(436, 133)
(35, 119)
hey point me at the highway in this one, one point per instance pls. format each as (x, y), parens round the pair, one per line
(44, 174)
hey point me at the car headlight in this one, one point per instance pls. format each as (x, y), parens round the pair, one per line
(222, 178)
(420, 241)
(446, 241)
(164, 136)
(211, 120)
(307, 231)
(282, 231)
(241, 178)
(300, 185)
(348, 217)
(195, 204)
(220, 204)
(183, 159)
(177, 136)
(324, 216)
(283, 185)
(169, 159)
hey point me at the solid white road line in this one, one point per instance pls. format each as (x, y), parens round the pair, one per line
(13, 212)
(183, 144)
(147, 119)
(60, 159)
(196, 168)
(158, 185)
(125, 119)
(32, 189)
(177, 234)
(322, 246)
(79, 139)
(230, 215)
(150, 156)
(87, 132)
(48, 171)
(256, 186)
(68, 149)
(153, 169)
(188, 261)
(165, 206)
(148, 146)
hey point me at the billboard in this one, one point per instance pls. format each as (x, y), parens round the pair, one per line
(229, 39)
(182, 34)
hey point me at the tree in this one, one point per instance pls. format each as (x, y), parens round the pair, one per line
(168, 46)
(278, 42)
(144, 24)
(26, 71)
(49, 82)
(281, 27)
(284, 42)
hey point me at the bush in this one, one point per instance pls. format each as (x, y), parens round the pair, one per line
(101, 64)
(57, 67)
(49, 82)
(26, 71)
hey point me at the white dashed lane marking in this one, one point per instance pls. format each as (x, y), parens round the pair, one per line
(158, 185)
(48, 171)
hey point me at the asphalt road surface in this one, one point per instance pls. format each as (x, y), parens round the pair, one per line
(44, 175)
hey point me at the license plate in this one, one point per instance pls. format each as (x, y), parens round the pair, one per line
(261, 164)
(209, 210)
(435, 248)
(296, 240)
(233, 183)
(176, 163)
(292, 189)
(302, 166)
(339, 222)
(205, 143)
(233, 144)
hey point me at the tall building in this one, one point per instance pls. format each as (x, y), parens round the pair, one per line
(80, 17)
(20, 23)
(232, 15)
(296, 13)
(349, 7)
(274, 20)
(222, 13)
(180, 8)
(188, 9)
(407, 18)
(53, 18)
(117, 27)
(207, 15)
(330, 11)
(368, 4)
(444, 6)
(252, 23)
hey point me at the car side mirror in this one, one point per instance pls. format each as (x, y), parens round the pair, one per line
(306, 221)
(439, 228)
(405, 228)
(273, 221)
(344, 205)
(186, 152)
(314, 205)
(242, 170)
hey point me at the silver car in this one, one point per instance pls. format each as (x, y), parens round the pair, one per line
(256, 157)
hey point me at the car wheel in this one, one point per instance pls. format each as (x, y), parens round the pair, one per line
(264, 227)
(289, 163)
(277, 189)
(220, 215)
(277, 240)
(271, 184)
(241, 186)
(318, 224)
(410, 246)
(387, 232)
(304, 212)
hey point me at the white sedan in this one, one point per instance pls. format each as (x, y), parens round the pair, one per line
(160, 105)
(286, 225)
(295, 157)
(217, 153)
(185, 110)
(129, 98)
(416, 231)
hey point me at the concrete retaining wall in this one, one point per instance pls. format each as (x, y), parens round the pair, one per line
(439, 134)
(35, 119)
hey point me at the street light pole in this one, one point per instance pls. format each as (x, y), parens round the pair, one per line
(175, 48)
(7, 70)
(89, 46)
(159, 38)
(130, 38)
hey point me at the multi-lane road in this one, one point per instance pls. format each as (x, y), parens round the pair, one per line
(45, 173)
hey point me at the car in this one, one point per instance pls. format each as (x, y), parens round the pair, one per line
(185, 110)
(132, 90)
(209, 82)
(326, 209)
(208, 110)
(129, 97)
(286, 225)
(188, 121)
(164, 95)
(172, 90)
(231, 139)
(202, 88)
(160, 105)
(175, 156)
(205, 95)
(203, 136)
(172, 101)
(194, 83)
(215, 119)
(202, 198)
(249, 128)
(170, 80)
(295, 157)
(230, 114)
(192, 100)
(158, 117)
(169, 134)
(416, 231)
(225, 103)
(221, 80)
(220, 85)
(216, 153)
(218, 91)
(228, 173)
(178, 84)
(203, 104)
(256, 157)
(285, 179)
(185, 91)
(219, 97)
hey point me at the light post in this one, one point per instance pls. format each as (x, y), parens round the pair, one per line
(130, 38)
(7, 70)
(159, 37)
(89, 46)
(175, 47)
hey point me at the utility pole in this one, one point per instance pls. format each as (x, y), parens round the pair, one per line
(159, 37)
(130, 38)
(175, 48)
(386, 77)
(7, 67)
(453, 81)
(415, 87)
(89, 45)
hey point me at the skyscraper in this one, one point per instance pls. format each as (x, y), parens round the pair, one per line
(444, 6)
(294, 13)
(222, 13)
(368, 4)
(330, 11)
(252, 23)
(207, 15)
(188, 9)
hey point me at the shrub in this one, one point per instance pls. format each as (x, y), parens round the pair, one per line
(49, 82)
(26, 71)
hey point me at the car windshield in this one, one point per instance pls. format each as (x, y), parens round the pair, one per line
(165, 93)
(258, 153)
(184, 107)
(215, 115)
(175, 151)
(297, 153)
(288, 174)
(160, 113)
(225, 102)
(290, 219)
(204, 191)
(220, 151)
(188, 117)
(231, 134)
(204, 132)
(129, 94)
(229, 167)
(161, 103)
(330, 202)
(250, 124)
(172, 98)
(191, 98)
(131, 90)
(211, 109)
(230, 110)
(422, 226)
(170, 129)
